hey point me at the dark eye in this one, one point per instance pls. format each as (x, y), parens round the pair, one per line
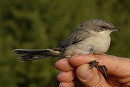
(104, 28)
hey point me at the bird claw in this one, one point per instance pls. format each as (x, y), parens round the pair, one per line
(102, 67)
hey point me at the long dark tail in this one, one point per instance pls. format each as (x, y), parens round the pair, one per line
(31, 54)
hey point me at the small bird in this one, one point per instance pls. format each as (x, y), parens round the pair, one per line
(91, 37)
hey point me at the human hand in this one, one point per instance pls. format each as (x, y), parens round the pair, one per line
(76, 71)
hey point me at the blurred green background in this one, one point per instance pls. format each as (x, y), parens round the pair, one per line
(42, 24)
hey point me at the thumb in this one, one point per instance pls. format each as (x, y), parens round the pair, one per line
(90, 77)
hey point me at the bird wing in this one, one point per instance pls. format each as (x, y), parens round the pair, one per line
(78, 35)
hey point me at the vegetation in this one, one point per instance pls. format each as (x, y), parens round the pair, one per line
(38, 24)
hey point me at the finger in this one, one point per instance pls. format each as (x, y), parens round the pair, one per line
(90, 77)
(124, 80)
(80, 59)
(66, 76)
(113, 81)
(126, 85)
(116, 66)
(64, 65)
(68, 84)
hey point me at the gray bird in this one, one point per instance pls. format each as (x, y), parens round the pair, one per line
(91, 37)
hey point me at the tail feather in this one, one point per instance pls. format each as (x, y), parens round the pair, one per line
(29, 51)
(31, 57)
(29, 54)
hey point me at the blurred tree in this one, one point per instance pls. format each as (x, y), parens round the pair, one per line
(41, 24)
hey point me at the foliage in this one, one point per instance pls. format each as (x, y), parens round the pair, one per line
(43, 24)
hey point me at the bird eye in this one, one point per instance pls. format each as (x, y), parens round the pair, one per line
(104, 27)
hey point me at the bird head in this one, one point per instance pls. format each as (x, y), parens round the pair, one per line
(99, 26)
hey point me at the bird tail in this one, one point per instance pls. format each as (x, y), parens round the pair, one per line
(31, 54)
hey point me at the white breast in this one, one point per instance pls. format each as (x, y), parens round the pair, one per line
(99, 43)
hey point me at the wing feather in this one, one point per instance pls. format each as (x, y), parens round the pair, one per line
(78, 35)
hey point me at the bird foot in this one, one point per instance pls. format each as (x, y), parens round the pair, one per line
(102, 67)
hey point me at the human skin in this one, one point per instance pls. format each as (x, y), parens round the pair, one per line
(76, 72)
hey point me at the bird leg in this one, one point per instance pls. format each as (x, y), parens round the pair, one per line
(102, 67)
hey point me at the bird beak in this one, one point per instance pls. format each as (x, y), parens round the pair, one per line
(115, 29)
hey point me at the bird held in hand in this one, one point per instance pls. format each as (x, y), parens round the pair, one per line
(91, 37)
